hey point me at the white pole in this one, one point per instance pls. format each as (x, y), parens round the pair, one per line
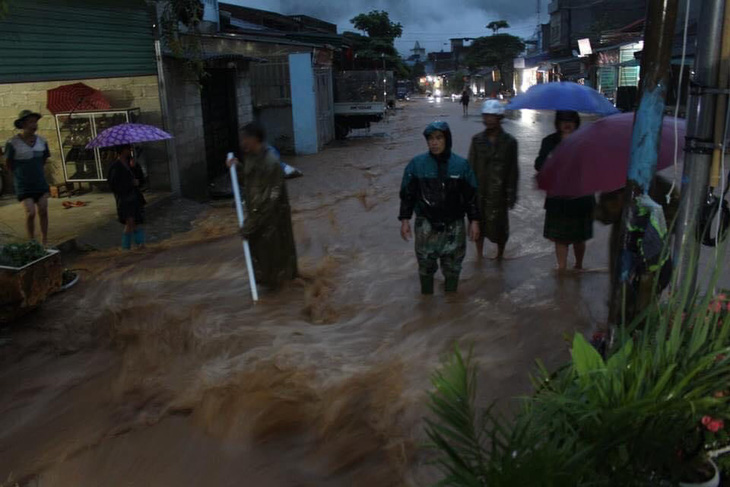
(239, 212)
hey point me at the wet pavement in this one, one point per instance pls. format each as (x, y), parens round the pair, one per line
(158, 370)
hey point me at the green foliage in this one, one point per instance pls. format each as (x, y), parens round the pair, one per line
(495, 25)
(377, 24)
(4, 8)
(498, 50)
(639, 416)
(378, 46)
(178, 17)
(20, 254)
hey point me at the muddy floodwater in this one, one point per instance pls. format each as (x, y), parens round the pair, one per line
(157, 370)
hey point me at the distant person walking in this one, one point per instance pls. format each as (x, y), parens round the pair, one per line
(568, 221)
(465, 98)
(126, 178)
(439, 186)
(493, 158)
(267, 225)
(26, 155)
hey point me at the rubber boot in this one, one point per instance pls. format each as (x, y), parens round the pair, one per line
(139, 236)
(426, 284)
(452, 284)
(126, 241)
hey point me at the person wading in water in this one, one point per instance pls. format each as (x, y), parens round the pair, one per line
(439, 186)
(568, 221)
(267, 225)
(493, 158)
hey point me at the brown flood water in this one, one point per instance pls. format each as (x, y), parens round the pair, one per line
(157, 370)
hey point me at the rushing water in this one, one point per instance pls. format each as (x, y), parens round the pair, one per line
(158, 370)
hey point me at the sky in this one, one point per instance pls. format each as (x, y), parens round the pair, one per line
(430, 22)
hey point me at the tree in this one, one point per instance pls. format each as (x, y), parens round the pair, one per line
(498, 50)
(371, 51)
(495, 25)
(377, 25)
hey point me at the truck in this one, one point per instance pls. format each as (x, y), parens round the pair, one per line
(361, 98)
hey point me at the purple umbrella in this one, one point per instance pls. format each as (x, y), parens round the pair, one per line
(128, 133)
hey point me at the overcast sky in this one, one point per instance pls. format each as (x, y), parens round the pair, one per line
(431, 22)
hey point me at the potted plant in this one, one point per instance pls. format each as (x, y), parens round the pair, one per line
(29, 273)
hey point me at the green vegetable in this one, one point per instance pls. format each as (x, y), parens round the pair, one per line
(18, 255)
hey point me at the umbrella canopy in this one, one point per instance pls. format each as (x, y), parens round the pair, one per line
(596, 157)
(128, 133)
(565, 95)
(75, 97)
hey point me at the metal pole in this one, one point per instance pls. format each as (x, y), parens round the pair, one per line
(698, 157)
(661, 19)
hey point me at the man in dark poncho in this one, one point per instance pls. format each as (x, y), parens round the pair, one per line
(493, 158)
(267, 225)
(440, 187)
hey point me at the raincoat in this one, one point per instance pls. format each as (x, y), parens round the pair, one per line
(497, 173)
(268, 225)
(440, 190)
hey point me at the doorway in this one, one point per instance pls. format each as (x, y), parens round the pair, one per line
(220, 119)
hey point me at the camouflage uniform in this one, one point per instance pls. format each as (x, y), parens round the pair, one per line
(440, 190)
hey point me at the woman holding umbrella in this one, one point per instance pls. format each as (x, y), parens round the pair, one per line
(568, 221)
(125, 179)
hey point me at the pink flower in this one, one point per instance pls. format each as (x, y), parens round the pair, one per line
(706, 420)
(715, 306)
(716, 425)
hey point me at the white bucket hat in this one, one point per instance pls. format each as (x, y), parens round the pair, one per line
(492, 107)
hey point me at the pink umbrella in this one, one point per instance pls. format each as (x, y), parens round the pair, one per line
(595, 158)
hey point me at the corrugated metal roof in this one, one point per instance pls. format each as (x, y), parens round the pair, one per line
(43, 40)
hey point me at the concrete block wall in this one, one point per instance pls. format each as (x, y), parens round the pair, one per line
(128, 92)
(186, 120)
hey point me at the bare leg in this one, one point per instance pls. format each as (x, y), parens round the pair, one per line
(561, 252)
(29, 207)
(43, 218)
(500, 251)
(480, 248)
(579, 248)
(129, 226)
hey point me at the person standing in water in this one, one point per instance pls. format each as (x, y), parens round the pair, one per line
(268, 225)
(465, 98)
(125, 178)
(439, 186)
(568, 221)
(26, 155)
(493, 158)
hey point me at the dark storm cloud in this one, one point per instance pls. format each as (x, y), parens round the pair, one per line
(430, 22)
(410, 11)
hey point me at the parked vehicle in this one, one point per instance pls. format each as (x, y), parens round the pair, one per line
(360, 100)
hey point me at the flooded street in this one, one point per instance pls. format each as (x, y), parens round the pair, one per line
(158, 370)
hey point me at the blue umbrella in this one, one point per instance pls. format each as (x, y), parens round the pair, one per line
(565, 95)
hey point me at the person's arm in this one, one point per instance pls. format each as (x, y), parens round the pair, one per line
(513, 175)
(46, 153)
(9, 157)
(470, 193)
(264, 200)
(543, 155)
(408, 195)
